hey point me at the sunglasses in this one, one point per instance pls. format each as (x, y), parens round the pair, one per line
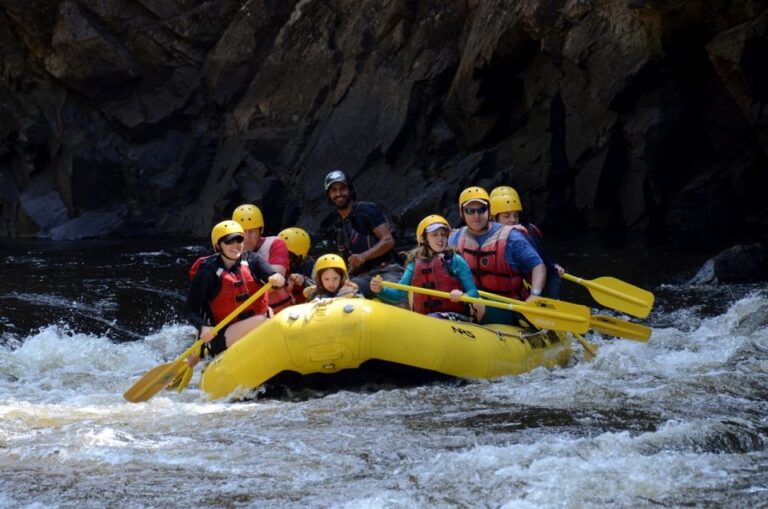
(234, 240)
(475, 210)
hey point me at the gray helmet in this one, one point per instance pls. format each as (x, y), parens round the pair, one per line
(336, 176)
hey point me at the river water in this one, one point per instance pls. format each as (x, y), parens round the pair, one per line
(678, 421)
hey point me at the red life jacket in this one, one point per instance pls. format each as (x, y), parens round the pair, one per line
(491, 271)
(235, 288)
(434, 273)
(532, 228)
(298, 294)
(305, 269)
(279, 298)
(196, 266)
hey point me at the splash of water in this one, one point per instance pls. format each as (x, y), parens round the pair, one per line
(677, 421)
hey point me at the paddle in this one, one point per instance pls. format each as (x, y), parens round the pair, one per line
(159, 377)
(181, 382)
(617, 294)
(543, 313)
(620, 328)
(590, 349)
(602, 324)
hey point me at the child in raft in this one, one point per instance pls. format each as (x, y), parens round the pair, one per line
(300, 263)
(435, 265)
(331, 280)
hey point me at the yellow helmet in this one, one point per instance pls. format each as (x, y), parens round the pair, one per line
(473, 193)
(429, 221)
(297, 240)
(329, 261)
(503, 190)
(505, 203)
(249, 216)
(223, 229)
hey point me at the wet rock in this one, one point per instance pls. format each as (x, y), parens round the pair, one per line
(46, 210)
(739, 55)
(91, 224)
(85, 57)
(738, 264)
(618, 116)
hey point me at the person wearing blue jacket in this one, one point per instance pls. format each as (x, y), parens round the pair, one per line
(434, 265)
(501, 258)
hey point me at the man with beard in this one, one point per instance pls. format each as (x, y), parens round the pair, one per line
(363, 234)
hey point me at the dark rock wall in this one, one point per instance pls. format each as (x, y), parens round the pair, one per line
(144, 116)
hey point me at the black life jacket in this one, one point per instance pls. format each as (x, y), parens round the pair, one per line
(353, 236)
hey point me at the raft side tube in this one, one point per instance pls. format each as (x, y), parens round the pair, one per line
(462, 349)
(257, 357)
(330, 336)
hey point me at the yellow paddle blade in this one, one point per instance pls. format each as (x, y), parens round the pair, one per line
(177, 373)
(603, 324)
(543, 313)
(154, 381)
(161, 376)
(547, 313)
(185, 378)
(175, 382)
(617, 294)
(574, 310)
(176, 379)
(620, 328)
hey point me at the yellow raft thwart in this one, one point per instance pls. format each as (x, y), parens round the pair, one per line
(335, 335)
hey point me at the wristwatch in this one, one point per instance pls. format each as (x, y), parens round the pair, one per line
(536, 292)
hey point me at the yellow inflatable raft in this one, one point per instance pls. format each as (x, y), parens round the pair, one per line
(341, 334)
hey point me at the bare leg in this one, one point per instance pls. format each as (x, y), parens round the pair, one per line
(238, 330)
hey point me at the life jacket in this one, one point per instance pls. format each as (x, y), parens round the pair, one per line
(196, 265)
(535, 237)
(279, 298)
(435, 273)
(235, 288)
(353, 237)
(491, 271)
(298, 294)
(305, 269)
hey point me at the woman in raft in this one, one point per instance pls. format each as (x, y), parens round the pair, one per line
(221, 282)
(435, 265)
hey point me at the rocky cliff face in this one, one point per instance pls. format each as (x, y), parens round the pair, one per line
(147, 116)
